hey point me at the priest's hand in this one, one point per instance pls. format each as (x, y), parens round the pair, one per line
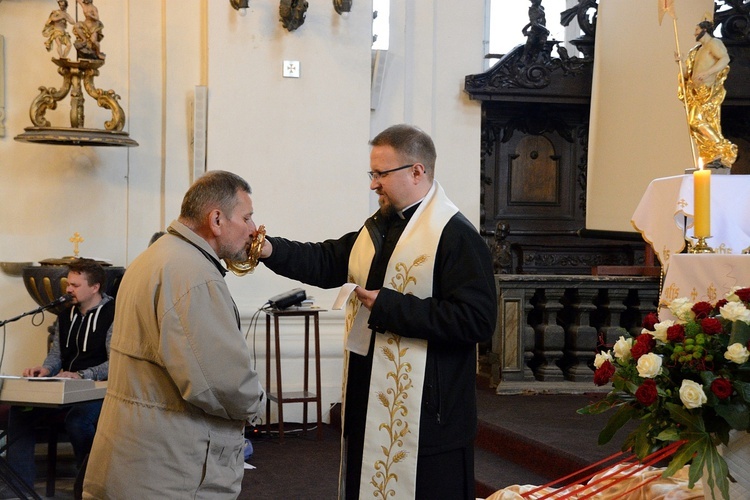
(367, 297)
(266, 250)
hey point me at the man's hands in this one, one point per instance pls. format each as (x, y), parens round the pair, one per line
(40, 371)
(367, 297)
(37, 371)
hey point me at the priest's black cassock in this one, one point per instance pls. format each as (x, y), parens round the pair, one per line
(461, 312)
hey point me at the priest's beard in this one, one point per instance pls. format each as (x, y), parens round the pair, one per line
(387, 210)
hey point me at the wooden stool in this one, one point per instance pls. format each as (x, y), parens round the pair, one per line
(304, 396)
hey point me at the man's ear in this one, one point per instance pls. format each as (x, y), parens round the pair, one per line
(214, 221)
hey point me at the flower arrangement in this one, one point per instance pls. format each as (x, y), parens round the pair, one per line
(685, 380)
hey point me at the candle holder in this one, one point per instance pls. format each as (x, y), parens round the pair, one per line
(701, 246)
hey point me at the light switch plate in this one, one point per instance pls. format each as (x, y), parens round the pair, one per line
(291, 69)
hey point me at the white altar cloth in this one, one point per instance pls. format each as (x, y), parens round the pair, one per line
(703, 277)
(664, 215)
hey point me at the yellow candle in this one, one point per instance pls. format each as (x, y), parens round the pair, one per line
(702, 203)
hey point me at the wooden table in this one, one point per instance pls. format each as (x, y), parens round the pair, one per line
(304, 396)
(664, 215)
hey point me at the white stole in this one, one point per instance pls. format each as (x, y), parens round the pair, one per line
(389, 465)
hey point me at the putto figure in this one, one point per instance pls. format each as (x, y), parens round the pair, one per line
(701, 88)
(56, 30)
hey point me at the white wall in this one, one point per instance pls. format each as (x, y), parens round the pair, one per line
(433, 46)
(301, 143)
(634, 96)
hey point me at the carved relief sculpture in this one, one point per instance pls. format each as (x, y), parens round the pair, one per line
(292, 13)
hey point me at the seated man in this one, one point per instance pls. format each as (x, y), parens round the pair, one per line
(80, 349)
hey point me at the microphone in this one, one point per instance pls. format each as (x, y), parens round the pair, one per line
(58, 301)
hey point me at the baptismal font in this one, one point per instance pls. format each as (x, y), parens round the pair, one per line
(48, 281)
(77, 76)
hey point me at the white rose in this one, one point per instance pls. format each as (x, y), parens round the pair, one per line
(692, 395)
(735, 311)
(737, 353)
(622, 349)
(660, 330)
(601, 358)
(649, 365)
(682, 309)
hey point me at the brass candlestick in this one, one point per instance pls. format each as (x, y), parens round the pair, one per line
(701, 246)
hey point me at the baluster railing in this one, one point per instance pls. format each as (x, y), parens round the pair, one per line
(549, 327)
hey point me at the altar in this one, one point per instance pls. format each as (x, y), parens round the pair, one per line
(664, 216)
(702, 277)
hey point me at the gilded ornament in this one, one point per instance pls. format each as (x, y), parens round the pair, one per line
(254, 247)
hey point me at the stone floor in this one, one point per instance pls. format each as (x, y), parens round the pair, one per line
(517, 421)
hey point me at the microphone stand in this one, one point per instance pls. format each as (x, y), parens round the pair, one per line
(28, 313)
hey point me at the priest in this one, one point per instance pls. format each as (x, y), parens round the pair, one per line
(424, 297)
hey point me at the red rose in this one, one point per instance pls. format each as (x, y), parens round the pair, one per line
(676, 333)
(604, 373)
(743, 294)
(722, 388)
(702, 309)
(644, 344)
(721, 303)
(646, 394)
(650, 320)
(711, 326)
